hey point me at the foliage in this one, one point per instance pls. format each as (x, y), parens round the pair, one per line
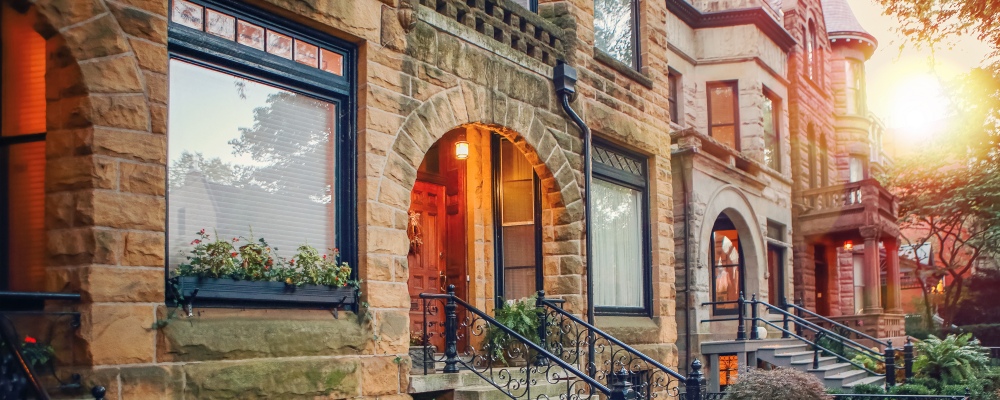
(909, 388)
(520, 316)
(417, 338)
(978, 305)
(934, 22)
(916, 328)
(868, 388)
(256, 261)
(952, 360)
(36, 354)
(776, 384)
(988, 334)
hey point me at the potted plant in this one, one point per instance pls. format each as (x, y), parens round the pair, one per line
(423, 357)
(245, 271)
(522, 317)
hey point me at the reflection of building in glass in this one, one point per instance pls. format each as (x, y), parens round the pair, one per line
(729, 366)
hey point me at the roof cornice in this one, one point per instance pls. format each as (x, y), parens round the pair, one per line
(746, 16)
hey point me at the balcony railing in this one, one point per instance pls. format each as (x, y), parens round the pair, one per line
(508, 23)
(860, 194)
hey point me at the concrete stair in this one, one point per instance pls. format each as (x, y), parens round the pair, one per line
(832, 371)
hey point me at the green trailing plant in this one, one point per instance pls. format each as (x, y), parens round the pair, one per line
(952, 360)
(776, 384)
(522, 317)
(255, 260)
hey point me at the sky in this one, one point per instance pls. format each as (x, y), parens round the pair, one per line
(904, 86)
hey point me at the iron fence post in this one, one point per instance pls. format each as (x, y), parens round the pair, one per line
(753, 317)
(694, 382)
(741, 333)
(908, 359)
(784, 319)
(98, 392)
(819, 335)
(622, 388)
(451, 333)
(890, 365)
(543, 329)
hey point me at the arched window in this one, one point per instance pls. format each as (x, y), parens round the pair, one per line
(22, 153)
(726, 255)
(811, 51)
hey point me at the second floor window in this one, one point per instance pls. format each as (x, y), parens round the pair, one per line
(772, 140)
(615, 30)
(673, 87)
(811, 51)
(723, 117)
(854, 88)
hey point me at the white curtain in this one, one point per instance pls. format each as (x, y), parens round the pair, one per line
(617, 237)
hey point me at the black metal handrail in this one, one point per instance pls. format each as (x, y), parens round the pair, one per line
(836, 324)
(887, 358)
(565, 334)
(515, 382)
(19, 375)
(9, 295)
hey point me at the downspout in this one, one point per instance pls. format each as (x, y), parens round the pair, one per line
(687, 265)
(564, 78)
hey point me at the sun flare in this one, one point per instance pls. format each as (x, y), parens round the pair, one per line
(919, 106)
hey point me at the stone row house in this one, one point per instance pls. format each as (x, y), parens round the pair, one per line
(424, 143)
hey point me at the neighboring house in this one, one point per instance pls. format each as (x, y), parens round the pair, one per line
(426, 143)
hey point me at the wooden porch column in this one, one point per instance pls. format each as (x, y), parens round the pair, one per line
(893, 300)
(873, 283)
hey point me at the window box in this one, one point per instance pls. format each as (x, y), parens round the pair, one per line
(195, 289)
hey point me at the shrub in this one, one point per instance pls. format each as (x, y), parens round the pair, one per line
(868, 388)
(988, 334)
(954, 359)
(522, 317)
(910, 388)
(930, 383)
(776, 384)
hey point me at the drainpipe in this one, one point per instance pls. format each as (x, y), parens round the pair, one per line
(687, 264)
(564, 78)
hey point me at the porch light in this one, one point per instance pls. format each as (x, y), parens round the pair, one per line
(848, 245)
(461, 149)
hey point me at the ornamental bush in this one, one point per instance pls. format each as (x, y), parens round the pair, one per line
(776, 384)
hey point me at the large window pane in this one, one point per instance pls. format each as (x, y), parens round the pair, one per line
(613, 29)
(722, 110)
(772, 155)
(245, 158)
(618, 260)
(726, 268)
(517, 216)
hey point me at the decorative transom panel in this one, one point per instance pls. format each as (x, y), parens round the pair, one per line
(618, 161)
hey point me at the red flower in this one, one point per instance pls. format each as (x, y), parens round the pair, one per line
(324, 256)
(236, 240)
(291, 262)
(196, 241)
(29, 339)
(336, 250)
(233, 254)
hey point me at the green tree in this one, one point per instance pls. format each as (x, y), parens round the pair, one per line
(214, 170)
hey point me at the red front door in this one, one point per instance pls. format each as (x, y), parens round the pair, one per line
(426, 259)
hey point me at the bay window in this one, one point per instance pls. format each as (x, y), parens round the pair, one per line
(259, 141)
(854, 93)
(723, 113)
(620, 231)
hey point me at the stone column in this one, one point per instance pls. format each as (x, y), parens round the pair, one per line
(893, 301)
(872, 294)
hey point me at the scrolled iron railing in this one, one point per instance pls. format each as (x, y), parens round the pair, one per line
(601, 355)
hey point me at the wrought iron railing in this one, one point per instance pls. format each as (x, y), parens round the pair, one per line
(901, 396)
(601, 355)
(835, 342)
(523, 368)
(36, 345)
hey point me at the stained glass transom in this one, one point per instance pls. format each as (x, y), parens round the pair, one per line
(618, 161)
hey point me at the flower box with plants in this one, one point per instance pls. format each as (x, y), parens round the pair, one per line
(247, 272)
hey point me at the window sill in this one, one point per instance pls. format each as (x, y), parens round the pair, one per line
(634, 323)
(623, 68)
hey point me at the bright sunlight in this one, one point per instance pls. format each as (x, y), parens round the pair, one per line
(919, 107)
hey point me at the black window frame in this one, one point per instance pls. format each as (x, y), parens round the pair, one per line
(776, 105)
(735, 86)
(636, 39)
(227, 56)
(724, 223)
(674, 86)
(640, 183)
(498, 236)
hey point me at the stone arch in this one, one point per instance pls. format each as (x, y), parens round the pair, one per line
(734, 204)
(470, 105)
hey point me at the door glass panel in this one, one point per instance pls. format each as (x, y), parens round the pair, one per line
(726, 266)
(517, 216)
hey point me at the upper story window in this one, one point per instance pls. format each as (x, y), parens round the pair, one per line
(811, 144)
(616, 30)
(811, 51)
(22, 153)
(854, 86)
(260, 133)
(531, 5)
(673, 87)
(723, 116)
(857, 169)
(772, 138)
(621, 235)
(824, 161)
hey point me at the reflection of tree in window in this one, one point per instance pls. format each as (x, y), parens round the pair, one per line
(725, 267)
(613, 25)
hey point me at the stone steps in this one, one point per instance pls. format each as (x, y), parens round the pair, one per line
(832, 371)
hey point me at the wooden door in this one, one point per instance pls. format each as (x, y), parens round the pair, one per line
(426, 258)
